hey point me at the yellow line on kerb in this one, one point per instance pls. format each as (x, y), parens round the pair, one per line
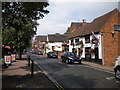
(50, 78)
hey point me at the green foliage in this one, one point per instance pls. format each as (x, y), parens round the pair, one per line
(19, 22)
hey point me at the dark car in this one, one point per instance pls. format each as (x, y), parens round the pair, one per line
(52, 55)
(40, 53)
(69, 57)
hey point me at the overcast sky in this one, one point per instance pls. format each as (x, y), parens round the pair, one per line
(62, 13)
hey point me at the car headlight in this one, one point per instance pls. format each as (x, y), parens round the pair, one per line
(70, 58)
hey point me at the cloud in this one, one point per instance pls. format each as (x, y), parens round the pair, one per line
(63, 13)
(84, 0)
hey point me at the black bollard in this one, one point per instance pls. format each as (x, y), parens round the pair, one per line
(32, 68)
(28, 60)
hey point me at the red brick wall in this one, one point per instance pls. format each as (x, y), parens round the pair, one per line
(111, 44)
(119, 43)
(119, 36)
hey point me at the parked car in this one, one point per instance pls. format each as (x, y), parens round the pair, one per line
(69, 57)
(33, 51)
(40, 53)
(52, 55)
(117, 68)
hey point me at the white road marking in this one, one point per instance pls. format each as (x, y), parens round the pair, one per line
(110, 78)
(117, 81)
(99, 69)
(53, 80)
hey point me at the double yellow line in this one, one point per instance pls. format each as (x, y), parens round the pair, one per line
(50, 78)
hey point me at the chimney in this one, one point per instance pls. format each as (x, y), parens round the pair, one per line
(84, 22)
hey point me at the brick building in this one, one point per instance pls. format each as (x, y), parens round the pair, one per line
(107, 48)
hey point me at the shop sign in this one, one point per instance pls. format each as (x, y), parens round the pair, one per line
(7, 59)
(87, 45)
(13, 57)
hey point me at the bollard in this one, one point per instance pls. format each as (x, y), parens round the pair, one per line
(32, 68)
(28, 60)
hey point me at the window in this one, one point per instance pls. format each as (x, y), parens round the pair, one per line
(87, 39)
(116, 27)
(71, 41)
(67, 41)
(77, 41)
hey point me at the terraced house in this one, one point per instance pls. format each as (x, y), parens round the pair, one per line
(50, 42)
(96, 41)
(54, 42)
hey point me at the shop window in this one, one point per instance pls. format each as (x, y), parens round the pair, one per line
(87, 39)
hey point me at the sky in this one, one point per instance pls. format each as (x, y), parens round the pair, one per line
(62, 13)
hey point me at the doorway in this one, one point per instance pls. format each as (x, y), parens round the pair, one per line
(87, 54)
(96, 54)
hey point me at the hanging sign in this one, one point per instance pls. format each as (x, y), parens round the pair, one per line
(94, 40)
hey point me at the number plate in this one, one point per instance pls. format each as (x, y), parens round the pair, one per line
(76, 62)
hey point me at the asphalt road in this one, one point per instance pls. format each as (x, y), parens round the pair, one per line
(76, 75)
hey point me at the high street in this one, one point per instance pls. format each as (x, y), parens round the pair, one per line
(76, 75)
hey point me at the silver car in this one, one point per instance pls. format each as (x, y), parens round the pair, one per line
(117, 68)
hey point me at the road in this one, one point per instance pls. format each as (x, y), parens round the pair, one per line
(76, 75)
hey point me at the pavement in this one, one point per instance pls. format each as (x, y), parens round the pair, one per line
(98, 66)
(18, 75)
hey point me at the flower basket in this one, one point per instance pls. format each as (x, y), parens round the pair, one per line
(75, 51)
(64, 44)
(72, 44)
(81, 42)
(91, 50)
(80, 51)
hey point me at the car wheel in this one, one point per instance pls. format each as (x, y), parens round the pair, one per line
(117, 73)
(67, 61)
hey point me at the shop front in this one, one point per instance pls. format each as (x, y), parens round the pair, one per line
(92, 55)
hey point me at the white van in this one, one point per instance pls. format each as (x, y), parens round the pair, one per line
(117, 68)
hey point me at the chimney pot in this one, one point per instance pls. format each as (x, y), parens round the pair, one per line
(84, 20)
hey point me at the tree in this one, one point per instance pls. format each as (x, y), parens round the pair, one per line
(67, 32)
(19, 20)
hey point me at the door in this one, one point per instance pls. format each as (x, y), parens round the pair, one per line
(87, 54)
(96, 54)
